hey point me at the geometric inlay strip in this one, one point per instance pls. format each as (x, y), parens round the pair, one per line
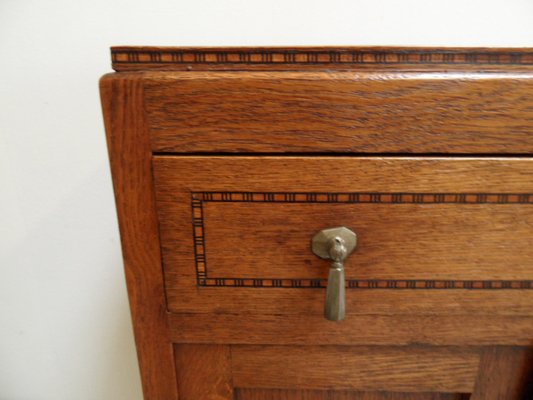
(355, 56)
(199, 198)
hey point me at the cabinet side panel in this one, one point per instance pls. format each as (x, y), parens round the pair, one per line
(129, 152)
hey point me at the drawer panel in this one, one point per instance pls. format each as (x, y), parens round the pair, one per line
(340, 111)
(405, 240)
(440, 240)
(437, 229)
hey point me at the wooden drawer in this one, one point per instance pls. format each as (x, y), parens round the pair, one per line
(437, 238)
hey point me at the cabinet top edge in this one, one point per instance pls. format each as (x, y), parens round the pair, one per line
(139, 58)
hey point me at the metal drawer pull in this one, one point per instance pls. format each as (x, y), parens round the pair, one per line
(335, 244)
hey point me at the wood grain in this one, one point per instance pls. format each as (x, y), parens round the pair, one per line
(288, 394)
(204, 372)
(122, 99)
(302, 174)
(470, 329)
(505, 373)
(341, 112)
(401, 302)
(396, 241)
(435, 240)
(432, 279)
(411, 369)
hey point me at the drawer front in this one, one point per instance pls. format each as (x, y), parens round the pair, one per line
(341, 112)
(447, 238)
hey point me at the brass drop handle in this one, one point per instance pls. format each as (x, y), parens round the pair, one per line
(335, 244)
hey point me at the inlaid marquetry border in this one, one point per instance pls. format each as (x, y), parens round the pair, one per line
(198, 199)
(269, 56)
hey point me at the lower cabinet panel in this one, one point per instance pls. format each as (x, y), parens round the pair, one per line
(262, 372)
(227, 372)
(287, 394)
(363, 368)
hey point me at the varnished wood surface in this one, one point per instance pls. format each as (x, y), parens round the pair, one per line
(402, 302)
(128, 58)
(435, 243)
(439, 241)
(342, 112)
(411, 369)
(288, 394)
(429, 272)
(122, 100)
(204, 372)
(504, 373)
(468, 329)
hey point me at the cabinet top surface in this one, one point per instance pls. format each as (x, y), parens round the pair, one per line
(139, 58)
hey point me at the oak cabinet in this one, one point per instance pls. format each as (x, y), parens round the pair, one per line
(226, 163)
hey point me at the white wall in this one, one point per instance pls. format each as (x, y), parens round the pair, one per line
(65, 332)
